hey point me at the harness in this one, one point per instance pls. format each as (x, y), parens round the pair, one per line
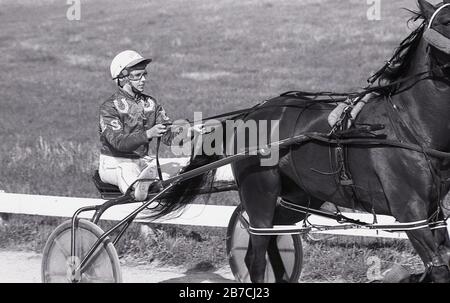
(158, 166)
(434, 37)
(342, 136)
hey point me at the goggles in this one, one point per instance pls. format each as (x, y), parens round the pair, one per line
(137, 76)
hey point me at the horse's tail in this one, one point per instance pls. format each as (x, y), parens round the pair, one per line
(185, 191)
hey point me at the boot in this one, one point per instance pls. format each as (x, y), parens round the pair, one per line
(141, 187)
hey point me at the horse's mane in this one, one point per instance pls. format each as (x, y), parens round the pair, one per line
(178, 197)
(400, 63)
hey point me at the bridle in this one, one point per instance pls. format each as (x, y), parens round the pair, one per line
(435, 38)
(436, 13)
(432, 36)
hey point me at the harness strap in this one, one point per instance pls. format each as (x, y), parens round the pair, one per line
(158, 166)
(342, 96)
(436, 13)
(412, 133)
(351, 223)
(365, 141)
(343, 219)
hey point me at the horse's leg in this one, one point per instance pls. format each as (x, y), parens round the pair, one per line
(410, 202)
(258, 189)
(424, 243)
(249, 254)
(275, 260)
(443, 242)
(293, 193)
(281, 217)
(422, 239)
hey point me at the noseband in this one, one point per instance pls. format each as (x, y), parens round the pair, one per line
(435, 38)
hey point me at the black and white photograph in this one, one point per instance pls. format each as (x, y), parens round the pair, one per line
(218, 145)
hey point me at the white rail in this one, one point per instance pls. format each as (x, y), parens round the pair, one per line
(195, 214)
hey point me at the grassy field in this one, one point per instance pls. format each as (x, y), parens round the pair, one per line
(209, 56)
(334, 260)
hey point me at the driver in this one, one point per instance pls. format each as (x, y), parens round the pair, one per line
(128, 121)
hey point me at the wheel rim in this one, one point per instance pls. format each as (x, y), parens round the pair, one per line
(103, 267)
(237, 243)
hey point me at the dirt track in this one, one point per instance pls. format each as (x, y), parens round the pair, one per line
(25, 267)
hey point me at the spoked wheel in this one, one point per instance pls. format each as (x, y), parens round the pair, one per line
(289, 246)
(56, 261)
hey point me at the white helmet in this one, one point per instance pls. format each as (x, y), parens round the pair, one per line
(125, 59)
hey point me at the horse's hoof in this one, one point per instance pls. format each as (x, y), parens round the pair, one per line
(397, 274)
(440, 274)
(419, 278)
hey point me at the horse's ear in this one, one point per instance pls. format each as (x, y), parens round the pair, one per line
(427, 8)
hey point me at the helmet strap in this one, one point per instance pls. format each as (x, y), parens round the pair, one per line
(121, 81)
(129, 88)
(135, 91)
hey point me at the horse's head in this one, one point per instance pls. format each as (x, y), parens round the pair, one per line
(437, 32)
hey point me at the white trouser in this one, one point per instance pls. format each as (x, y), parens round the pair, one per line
(122, 172)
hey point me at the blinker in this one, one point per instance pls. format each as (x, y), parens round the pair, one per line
(436, 39)
(433, 37)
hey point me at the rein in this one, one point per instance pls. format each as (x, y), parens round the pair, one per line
(158, 166)
(331, 95)
(377, 142)
(340, 97)
(369, 89)
(324, 137)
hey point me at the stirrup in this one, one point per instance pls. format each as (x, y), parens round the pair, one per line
(141, 191)
(145, 187)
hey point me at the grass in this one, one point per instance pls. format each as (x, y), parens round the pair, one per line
(209, 56)
(350, 259)
(169, 245)
(48, 167)
(337, 259)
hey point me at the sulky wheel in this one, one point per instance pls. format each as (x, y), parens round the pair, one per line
(290, 248)
(102, 267)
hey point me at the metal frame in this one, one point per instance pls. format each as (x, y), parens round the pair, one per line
(345, 223)
(279, 230)
(99, 210)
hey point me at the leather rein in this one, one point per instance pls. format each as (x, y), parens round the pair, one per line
(339, 97)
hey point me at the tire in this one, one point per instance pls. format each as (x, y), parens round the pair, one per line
(290, 247)
(103, 267)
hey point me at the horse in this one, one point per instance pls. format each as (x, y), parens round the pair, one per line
(386, 180)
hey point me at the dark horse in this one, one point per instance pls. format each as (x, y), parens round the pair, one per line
(403, 183)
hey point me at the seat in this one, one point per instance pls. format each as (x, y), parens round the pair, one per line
(107, 191)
